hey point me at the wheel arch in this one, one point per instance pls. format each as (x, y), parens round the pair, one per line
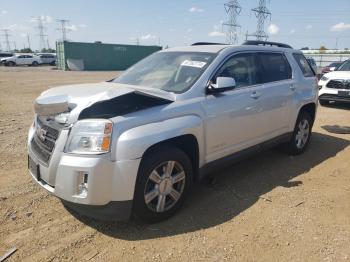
(187, 143)
(310, 108)
(185, 133)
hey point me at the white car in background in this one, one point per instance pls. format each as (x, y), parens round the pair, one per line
(21, 59)
(49, 59)
(335, 86)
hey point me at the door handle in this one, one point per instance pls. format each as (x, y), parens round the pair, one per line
(255, 95)
(292, 87)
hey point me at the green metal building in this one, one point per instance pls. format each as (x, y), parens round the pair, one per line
(99, 56)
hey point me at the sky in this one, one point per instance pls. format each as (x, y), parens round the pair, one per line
(300, 23)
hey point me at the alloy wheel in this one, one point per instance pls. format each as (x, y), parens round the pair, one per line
(303, 133)
(164, 186)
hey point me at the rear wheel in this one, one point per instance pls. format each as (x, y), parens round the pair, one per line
(35, 63)
(164, 179)
(11, 63)
(301, 134)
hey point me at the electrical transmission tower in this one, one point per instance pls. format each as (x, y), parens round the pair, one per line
(63, 28)
(233, 9)
(28, 40)
(41, 31)
(7, 38)
(261, 13)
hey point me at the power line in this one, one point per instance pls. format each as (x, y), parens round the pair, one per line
(261, 13)
(7, 38)
(63, 28)
(233, 9)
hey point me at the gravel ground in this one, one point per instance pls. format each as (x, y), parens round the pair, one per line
(270, 207)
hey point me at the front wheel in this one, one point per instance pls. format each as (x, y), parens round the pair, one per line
(164, 179)
(35, 63)
(301, 135)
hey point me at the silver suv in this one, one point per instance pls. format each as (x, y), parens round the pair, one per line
(135, 144)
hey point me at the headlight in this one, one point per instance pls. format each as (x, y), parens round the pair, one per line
(323, 78)
(62, 118)
(90, 137)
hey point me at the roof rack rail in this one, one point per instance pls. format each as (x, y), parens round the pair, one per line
(206, 43)
(255, 42)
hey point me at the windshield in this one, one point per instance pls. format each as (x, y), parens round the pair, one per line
(344, 66)
(169, 71)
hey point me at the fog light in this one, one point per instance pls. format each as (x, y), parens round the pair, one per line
(83, 184)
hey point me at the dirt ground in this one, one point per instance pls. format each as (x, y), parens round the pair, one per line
(270, 207)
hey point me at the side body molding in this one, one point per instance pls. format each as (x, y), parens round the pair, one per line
(133, 143)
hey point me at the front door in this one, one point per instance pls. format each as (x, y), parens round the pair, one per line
(233, 122)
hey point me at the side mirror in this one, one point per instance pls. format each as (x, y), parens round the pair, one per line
(222, 84)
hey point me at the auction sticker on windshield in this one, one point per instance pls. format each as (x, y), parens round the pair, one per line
(198, 64)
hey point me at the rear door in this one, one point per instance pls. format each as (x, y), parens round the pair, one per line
(276, 94)
(29, 59)
(20, 60)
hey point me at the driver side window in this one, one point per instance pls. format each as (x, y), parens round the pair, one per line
(243, 68)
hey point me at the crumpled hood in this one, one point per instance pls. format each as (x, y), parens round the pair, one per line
(338, 75)
(75, 98)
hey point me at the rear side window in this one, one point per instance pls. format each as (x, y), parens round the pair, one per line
(275, 67)
(304, 65)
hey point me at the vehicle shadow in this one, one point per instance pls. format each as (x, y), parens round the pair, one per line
(336, 129)
(236, 188)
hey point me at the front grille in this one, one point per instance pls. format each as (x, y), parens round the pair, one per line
(339, 84)
(43, 142)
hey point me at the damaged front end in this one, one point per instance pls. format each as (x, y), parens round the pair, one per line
(105, 100)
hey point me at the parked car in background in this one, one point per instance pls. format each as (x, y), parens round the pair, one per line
(5, 55)
(136, 144)
(331, 67)
(21, 59)
(49, 59)
(312, 62)
(335, 86)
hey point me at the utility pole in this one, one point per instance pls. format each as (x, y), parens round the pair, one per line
(7, 39)
(41, 31)
(47, 42)
(233, 9)
(261, 13)
(63, 28)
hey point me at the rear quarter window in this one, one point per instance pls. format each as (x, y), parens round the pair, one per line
(304, 65)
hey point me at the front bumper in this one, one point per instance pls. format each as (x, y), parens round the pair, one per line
(110, 184)
(332, 94)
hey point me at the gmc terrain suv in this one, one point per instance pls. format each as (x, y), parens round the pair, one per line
(135, 144)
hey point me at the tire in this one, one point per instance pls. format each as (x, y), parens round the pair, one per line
(35, 63)
(301, 135)
(155, 209)
(324, 102)
(11, 63)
